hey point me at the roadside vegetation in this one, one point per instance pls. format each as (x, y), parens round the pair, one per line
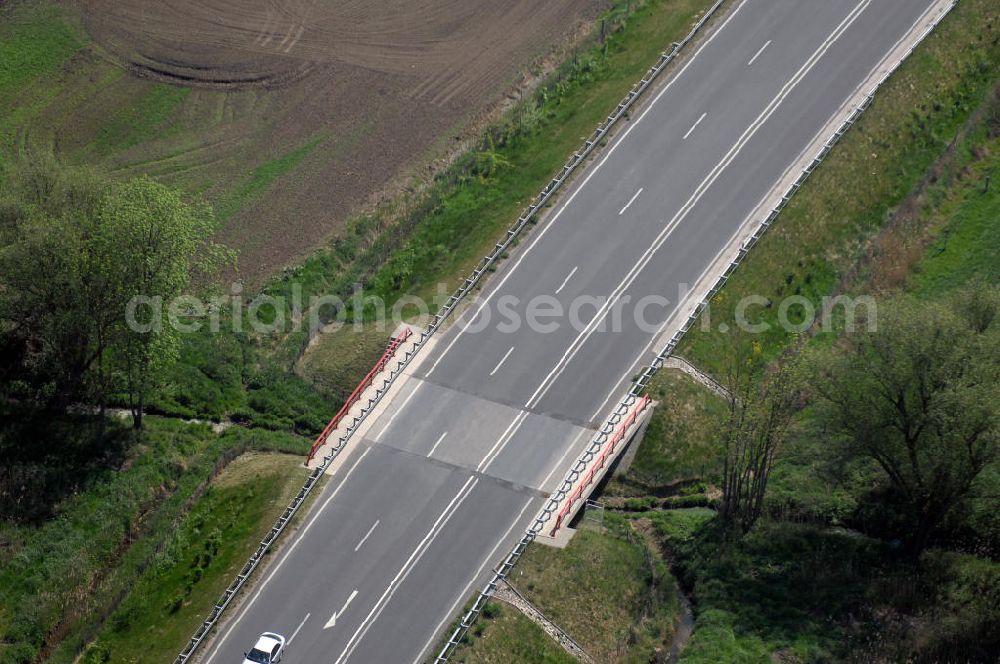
(118, 524)
(605, 589)
(199, 560)
(876, 536)
(105, 510)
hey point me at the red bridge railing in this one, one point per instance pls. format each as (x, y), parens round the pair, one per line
(359, 390)
(602, 458)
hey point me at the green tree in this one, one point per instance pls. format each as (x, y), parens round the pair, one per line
(920, 397)
(762, 402)
(148, 240)
(75, 250)
(53, 314)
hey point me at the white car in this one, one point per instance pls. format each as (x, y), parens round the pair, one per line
(268, 650)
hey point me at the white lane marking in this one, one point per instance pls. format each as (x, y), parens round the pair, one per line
(408, 566)
(632, 367)
(583, 184)
(568, 277)
(398, 410)
(502, 441)
(757, 54)
(296, 632)
(695, 125)
(435, 446)
(558, 464)
(709, 180)
(332, 622)
(630, 201)
(284, 558)
(502, 360)
(367, 535)
(748, 220)
(465, 592)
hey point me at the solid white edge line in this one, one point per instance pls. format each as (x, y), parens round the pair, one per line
(468, 586)
(287, 553)
(396, 412)
(558, 464)
(597, 167)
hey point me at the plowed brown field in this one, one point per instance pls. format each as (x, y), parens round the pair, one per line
(377, 84)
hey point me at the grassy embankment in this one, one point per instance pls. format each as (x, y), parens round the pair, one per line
(110, 531)
(603, 589)
(923, 217)
(171, 598)
(124, 517)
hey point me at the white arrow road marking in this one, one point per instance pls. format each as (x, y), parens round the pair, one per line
(332, 622)
(296, 632)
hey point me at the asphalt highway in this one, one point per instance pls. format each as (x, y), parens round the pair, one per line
(461, 460)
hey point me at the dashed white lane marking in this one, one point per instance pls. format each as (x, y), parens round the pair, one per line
(568, 277)
(630, 201)
(367, 535)
(297, 629)
(435, 446)
(681, 214)
(284, 558)
(463, 324)
(332, 622)
(694, 126)
(465, 592)
(502, 360)
(408, 566)
(757, 54)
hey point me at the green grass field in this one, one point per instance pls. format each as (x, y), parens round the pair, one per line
(505, 635)
(604, 589)
(206, 551)
(60, 580)
(822, 234)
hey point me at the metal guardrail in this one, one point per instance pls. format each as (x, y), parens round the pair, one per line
(602, 458)
(642, 382)
(467, 285)
(355, 396)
